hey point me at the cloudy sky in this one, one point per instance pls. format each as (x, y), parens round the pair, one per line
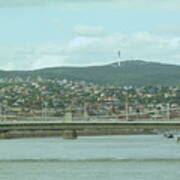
(42, 33)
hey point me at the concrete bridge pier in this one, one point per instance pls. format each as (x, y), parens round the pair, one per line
(2, 135)
(69, 134)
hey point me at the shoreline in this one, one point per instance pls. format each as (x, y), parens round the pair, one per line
(41, 134)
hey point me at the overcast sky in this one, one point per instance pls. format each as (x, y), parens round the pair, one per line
(40, 33)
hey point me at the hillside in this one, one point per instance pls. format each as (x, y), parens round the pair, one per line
(135, 73)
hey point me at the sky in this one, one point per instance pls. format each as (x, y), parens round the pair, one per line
(36, 34)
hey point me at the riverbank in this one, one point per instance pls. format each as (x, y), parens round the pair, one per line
(86, 132)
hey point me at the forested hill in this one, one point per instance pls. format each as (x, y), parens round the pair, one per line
(135, 73)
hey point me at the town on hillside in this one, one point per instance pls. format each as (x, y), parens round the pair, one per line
(47, 99)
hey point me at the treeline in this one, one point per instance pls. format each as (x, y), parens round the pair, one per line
(130, 73)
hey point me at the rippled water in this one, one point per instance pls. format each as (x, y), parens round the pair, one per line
(106, 157)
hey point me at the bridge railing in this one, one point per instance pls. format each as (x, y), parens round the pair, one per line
(171, 114)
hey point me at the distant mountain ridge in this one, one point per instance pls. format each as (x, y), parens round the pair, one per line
(129, 73)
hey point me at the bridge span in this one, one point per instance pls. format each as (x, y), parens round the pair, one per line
(72, 130)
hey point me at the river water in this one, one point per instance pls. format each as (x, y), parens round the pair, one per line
(131, 157)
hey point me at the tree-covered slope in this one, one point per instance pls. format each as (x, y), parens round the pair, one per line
(135, 73)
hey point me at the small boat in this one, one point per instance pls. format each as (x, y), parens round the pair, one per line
(169, 135)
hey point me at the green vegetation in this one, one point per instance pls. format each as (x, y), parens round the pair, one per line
(130, 73)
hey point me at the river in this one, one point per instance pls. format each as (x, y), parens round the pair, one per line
(127, 157)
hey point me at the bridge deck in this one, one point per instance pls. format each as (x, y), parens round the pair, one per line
(88, 125)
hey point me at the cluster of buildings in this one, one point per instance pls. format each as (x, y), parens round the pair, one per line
(53, 98)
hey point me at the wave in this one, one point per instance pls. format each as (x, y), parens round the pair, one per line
(89, 160)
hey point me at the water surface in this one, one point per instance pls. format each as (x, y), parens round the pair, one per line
(131, 157)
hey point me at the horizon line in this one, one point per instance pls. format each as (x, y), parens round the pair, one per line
(90, 65)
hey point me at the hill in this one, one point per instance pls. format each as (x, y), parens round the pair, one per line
(134, 73)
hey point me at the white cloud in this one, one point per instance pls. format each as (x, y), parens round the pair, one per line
(80, 43)
(48, 61)
(8, 66)
(172, 30)
(21, 3)
(144, 4)
(84, 30)
(91, 4)
(142, 45)
(126, 4)
(88, 50)
(32, 3)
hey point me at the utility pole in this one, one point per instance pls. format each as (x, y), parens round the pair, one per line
(168, 111)
(1, 112)
(42, 113)
(127, 108)
(44, 110)
(86, 117)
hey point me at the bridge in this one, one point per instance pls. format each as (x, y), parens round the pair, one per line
(73, 129)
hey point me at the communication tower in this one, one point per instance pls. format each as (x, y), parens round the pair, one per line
(119, 56)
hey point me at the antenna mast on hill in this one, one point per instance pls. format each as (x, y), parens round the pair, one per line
(119, 56)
